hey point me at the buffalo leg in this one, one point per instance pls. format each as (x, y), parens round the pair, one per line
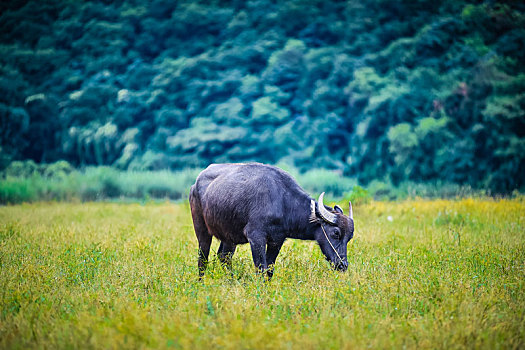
(203, 236)
(257, 241)
(225, 253)
(272, 250)
(204, 252)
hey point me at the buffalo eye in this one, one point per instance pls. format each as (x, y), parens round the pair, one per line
(337, 233)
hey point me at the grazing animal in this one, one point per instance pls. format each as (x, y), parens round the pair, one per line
(263, 205)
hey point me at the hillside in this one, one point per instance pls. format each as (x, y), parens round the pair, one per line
(409, 90)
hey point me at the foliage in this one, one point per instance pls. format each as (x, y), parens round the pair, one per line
(377, 90)
(102, 275)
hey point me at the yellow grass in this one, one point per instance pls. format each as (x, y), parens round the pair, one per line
(440, 274)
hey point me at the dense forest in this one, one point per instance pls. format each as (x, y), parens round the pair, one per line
(394, 90)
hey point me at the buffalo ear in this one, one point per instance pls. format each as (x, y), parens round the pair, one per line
(313, 215)
(338, 209)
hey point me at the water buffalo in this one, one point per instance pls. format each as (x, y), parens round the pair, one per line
(263, 205)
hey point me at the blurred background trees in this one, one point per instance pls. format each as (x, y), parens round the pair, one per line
(389, 90)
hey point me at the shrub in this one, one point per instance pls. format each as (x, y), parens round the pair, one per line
(21, 169)
(321, 180)
(358, 196)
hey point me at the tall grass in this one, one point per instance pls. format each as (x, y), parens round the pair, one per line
(97, 183)
(30, 182)
(422, 274)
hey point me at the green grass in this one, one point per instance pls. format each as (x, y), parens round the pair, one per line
(441, 274)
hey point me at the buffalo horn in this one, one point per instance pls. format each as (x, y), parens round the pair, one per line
(351, 214)
(325, 214)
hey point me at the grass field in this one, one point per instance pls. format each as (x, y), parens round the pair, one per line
(439, 274)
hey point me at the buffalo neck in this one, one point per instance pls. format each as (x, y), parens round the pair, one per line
(300, 226)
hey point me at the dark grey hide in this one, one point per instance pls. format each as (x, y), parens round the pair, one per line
(263, 205)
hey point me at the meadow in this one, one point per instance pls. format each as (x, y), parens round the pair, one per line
(440, 274)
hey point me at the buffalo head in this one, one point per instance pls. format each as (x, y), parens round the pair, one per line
(334, 231)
